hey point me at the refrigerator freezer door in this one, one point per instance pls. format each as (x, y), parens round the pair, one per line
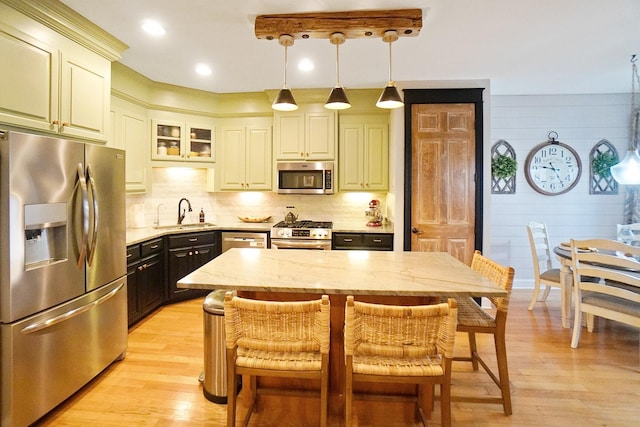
(39, 236)
(106, 258)
(49, 356)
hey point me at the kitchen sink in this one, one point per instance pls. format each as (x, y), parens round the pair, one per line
(194, 226)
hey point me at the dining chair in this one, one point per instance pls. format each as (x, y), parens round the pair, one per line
(474, 319)
(399, 344)
(616, 295)
(276, 339)
(629, 233)
(544, 273)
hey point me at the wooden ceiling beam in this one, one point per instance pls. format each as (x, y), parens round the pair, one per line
(353, 24)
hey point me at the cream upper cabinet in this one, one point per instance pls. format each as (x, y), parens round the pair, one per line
(308, 133)
(364, 153)
(245, 161)
(182, 141)
(130, 133)
(59, 90)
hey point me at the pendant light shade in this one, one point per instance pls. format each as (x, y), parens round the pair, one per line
(390, 98)
(338, 97)
(285, 101)
(627, 172)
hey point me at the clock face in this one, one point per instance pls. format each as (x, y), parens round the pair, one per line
(553, 168)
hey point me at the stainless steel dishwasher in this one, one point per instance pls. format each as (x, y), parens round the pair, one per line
(241, 239)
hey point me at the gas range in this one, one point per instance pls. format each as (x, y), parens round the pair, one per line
(305, 229)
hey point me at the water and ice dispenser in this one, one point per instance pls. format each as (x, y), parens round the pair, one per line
(45, 234)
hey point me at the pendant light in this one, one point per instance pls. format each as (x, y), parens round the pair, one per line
(627, 172)
(284, 101)
(337, 98)
(390, 98)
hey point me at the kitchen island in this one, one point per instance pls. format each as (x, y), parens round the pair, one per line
(381, 277)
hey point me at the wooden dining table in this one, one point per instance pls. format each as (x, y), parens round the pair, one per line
(405, 278)
(566, 284)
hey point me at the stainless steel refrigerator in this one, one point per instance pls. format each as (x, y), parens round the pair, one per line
(63, 298)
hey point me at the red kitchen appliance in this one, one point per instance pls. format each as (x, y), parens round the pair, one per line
(374, 214)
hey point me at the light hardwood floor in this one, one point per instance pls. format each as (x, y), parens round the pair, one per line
(597, 384)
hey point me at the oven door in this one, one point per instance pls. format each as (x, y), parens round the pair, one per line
(322, 245)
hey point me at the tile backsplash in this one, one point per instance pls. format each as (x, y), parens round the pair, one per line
(169, 185)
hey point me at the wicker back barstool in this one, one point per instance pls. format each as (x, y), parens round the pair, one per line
(473, 319)
(276, 339)
(400, 344)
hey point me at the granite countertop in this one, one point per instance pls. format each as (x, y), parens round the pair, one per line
(341, 272)
(137, 235)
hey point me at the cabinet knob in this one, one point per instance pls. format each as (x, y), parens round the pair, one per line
(190, 253)
(55, 122)
(65, 123)
(197, 252)
(247, 184)
(415, 231)
(140, 268)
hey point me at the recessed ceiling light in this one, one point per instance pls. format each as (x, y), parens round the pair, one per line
(153, 27)
(203, 69)
(305, 64)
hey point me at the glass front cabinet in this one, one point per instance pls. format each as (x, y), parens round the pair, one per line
(177, 141)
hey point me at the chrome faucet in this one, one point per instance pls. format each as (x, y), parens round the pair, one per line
(181, 216)
(157, 221)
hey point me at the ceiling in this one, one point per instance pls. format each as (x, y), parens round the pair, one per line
(523, 47)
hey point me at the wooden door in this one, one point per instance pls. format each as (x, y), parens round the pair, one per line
(443, 179)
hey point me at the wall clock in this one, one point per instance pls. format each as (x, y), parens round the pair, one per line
(553, 168)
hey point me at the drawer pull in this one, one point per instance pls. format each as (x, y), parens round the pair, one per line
(348, 240)
(129, 255)
(155, 246)
(193, 239)
(377, 240)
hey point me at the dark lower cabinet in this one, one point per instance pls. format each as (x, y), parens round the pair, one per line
(145, 279)
(186, 253)
(362, 241)
(155, 266)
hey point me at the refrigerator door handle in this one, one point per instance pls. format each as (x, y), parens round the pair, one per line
(91, 249)
(36, 327)
(84, 215)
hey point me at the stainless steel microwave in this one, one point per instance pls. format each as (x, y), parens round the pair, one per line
(306, 178)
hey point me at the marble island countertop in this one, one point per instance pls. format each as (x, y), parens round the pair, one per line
(137, 235)
(341, 272)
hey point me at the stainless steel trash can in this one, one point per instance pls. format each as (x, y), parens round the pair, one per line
(215, 358)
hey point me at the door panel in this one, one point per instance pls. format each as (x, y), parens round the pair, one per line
(108, 228)
(443, 171)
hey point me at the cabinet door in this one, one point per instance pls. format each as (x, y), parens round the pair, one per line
(351, 164)
(180, 262)
(200, 143)
(166, 140)
(376, 157)
(133, 305)
(152, 286)
(232, 153)
(320, 135)
(202, 255)
(28, 81)
(84, 94)
(131, 131)
(289, 135)
(258, 158)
